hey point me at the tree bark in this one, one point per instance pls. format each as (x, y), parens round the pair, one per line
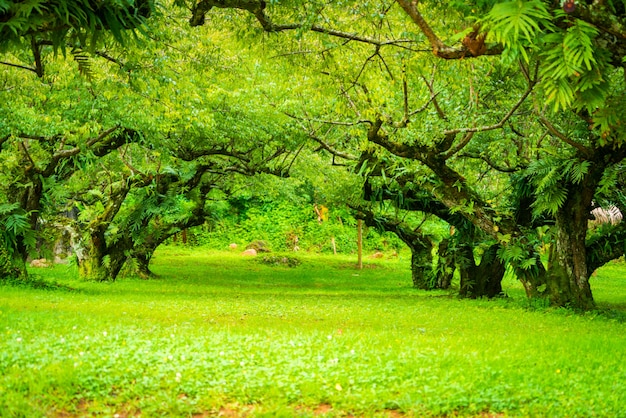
(359, 244)
(91, 266)
(422, 271)
(446, 265)
(568, 275)
(484, 279)
(142, 260)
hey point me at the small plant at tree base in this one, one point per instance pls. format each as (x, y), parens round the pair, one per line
(6, 267)
(280, 260)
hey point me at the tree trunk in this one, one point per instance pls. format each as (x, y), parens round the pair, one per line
(422, 264)
(103, 262)
(143, 265)
(533, 279)
(359, 244)
(568, 275)
(484, 279)
(445, 265)
(91, 266)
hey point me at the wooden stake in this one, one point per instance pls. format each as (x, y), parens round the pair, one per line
(359, 244)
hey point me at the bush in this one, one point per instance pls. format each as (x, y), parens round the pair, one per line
(280, 261)
(284, 225)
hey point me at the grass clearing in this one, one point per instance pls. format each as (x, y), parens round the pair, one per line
(220, 334)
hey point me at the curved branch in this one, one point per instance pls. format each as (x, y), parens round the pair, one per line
(331, 149)
(466, 139)
(433, 95)
(490, 162)
(410, 7)
(439, 48)
(500, 124)
(102, 135)
(19, 66)
(580, 147)
(257, 8)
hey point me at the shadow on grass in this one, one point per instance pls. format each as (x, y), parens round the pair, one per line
(35, 282)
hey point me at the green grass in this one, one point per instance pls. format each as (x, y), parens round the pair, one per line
(217, 333)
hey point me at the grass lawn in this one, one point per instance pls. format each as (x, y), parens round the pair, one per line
(217, 334)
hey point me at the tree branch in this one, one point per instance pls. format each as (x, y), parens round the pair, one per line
(331, 149)
(19, 66)
(36, 48)
(466, 139)
(490, 162)
(257, 8)
(102, 135)
(25, 149)
(440, 49)
(580, 147)
(500, 124)
(410, 7)
(433, 95)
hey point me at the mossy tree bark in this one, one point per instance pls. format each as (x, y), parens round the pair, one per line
(568, 273)
(482, 279)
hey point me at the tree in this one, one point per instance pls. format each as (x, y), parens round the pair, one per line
(570, 58)
(136, 186)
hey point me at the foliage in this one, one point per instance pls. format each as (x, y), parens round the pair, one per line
(550, 176)
(574, 60)
(6, 264)
(15, 228)
(364, 81)
(60, 21)
(280, 221)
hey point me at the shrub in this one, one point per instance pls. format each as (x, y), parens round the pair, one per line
(280, 261)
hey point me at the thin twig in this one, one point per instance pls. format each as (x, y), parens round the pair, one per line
(19, 66)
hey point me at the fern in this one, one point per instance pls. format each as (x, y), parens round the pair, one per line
(84, 63)
(517, 24)
(570, 67)
(14, 225)
(550, 178)
(576, 170)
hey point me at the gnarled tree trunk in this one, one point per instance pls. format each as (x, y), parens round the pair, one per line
(483, 279)
(568, 275)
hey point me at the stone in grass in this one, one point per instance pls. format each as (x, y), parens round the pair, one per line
(249, 251)
(259, 245)
(280, 261)
(40, 263)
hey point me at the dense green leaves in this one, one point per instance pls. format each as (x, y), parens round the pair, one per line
(15, 228)
(59, 21)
